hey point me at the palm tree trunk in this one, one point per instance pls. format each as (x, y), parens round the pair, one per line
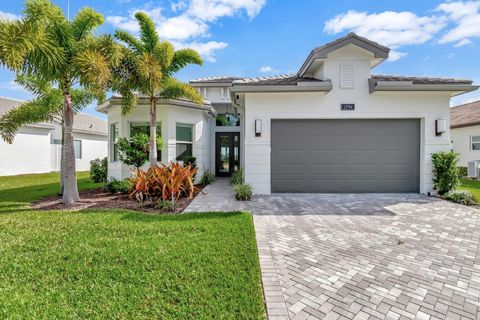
(62, 159)
(153, 132)
(70, 191)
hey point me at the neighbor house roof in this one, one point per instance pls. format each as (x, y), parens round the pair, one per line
(285, 79)
(83, 122)
(419, 80)
(465, 115)
(220, 79)
(7, 104)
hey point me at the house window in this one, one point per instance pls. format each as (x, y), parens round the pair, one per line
(227, 120)
(475, 142)
(184, 137)
(77, 145)
(144, 127)
(114, 133)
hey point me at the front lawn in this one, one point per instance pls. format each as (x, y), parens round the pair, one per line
(471, 185)
(120, 264)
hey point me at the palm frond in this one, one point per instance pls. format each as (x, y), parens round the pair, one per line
(86, 20)
(34, 84)
(132, 42)
(81, 98)
(129, 100)
(41, 109)
(174, 89)
(148, 33)
(17, 39)
(93, 68)
(150, 72)
(182, 58)
(164, 53)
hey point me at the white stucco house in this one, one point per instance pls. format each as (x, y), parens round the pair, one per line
(36, 148)
(465, 131)
(334, 126)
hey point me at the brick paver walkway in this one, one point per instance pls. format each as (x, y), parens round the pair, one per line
(364, 256)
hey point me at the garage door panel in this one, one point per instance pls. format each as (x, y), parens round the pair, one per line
(367, 155)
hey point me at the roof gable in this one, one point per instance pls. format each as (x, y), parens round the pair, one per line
(465, 115)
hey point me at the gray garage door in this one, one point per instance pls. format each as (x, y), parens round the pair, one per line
(345, 155)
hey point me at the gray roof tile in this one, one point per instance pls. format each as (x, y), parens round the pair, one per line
(465, 115)
(280, 80)
(420, 80)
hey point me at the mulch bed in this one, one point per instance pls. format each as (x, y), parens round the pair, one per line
(101, 199)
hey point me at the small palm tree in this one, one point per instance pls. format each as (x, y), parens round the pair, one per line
(148, 66)
(45, 44)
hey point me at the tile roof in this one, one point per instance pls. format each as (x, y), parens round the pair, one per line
(280, 80)
(465, 115)
(7, 104)
(419, 80)
(220, 79)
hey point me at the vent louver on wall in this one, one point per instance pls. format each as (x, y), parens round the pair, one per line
(347, 75)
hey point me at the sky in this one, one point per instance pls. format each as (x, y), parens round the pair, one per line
(249, 38)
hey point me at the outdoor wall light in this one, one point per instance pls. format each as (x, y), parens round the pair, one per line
(440, 126)
(258, 128)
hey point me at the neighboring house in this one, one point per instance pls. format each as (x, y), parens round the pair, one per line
(331, 127)
(36, 148)
(465, 131)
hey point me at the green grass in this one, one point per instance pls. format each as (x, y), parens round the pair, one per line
(30, 187)
(120, 264)
(471, 185)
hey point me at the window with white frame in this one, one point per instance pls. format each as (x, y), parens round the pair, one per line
(77, 145)
(475, 141)
(184, 138)
(114, 134)
(144, 127)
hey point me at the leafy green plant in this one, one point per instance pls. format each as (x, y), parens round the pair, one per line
(190, 160)
(461, 196)
(118, 186)
(462, 172)
(237, 177)
(445, 173)
(207, 178)
(99, 170)
(134, 151)
(166, 205)
(242, 192)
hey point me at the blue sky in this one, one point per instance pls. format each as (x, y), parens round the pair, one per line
(266, 37)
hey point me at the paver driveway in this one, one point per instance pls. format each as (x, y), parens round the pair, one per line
(375, 256)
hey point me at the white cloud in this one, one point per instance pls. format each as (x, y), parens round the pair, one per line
(206, 49)
(8, 16)
(396, 55)
(451, 55)
(191, 21)
(466, 17)
(267, 69)
(11, 85)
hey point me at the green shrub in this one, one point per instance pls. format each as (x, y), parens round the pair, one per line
(445, 173)
(237, 177)
(207, 178)
(99, 170)
(190, 160)
(462, 172)
(118, 186)
(242, 192)
(166, 205)
(461, 196)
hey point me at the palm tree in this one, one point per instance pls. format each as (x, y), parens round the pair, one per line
(46, 106)
(148, 66)
(46, 44)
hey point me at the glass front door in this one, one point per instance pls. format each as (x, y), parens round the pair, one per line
(227, 154)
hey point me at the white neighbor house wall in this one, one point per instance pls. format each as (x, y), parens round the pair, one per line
(461, 139)
(427, 106)
(29, 152)
(167, 116)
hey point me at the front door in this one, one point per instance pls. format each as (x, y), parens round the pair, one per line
(227, 153)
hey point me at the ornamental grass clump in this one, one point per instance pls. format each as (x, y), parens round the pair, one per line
(462, 197)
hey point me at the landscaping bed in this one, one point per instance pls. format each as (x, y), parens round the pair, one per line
(100, 198)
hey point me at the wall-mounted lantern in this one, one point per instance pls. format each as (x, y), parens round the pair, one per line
(440, 126)
(258, 128)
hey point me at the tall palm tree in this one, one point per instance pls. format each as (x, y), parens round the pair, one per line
(46, 44)
(147, 67)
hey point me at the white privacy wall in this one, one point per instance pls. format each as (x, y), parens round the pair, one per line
(461, 144)
(168, 116)
(313, 105)
(29, 153)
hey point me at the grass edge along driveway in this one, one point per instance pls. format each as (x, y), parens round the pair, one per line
(120, 264)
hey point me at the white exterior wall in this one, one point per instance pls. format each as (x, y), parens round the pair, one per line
(29, 152)
(313, 105)
(168, 116)
(461, 139)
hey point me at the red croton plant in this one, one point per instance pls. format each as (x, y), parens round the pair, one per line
(165, 182)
